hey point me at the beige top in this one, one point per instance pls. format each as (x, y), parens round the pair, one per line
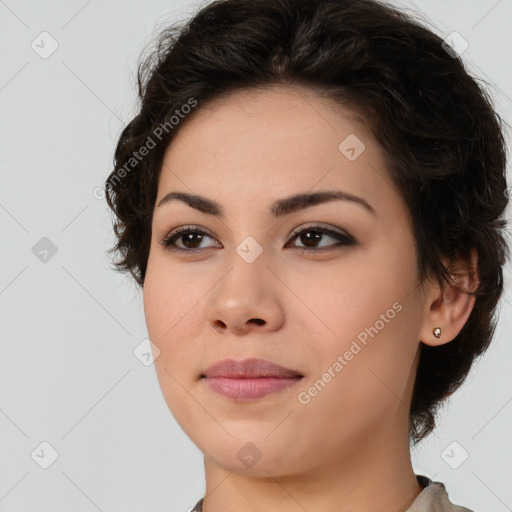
(433, 498)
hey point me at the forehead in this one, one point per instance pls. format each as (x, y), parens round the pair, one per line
(274, 141)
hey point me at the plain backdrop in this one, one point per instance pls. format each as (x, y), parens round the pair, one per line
(73, 395)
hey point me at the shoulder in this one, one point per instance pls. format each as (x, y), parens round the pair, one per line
(198, 507)
(434, 498)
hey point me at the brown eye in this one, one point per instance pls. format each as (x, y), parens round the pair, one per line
(189, 238)
(312, 235)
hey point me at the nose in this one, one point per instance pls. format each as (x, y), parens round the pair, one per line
(247, 299)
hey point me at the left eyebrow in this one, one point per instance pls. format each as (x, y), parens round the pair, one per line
(280, 208)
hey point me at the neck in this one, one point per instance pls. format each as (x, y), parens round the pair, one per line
(373, 473)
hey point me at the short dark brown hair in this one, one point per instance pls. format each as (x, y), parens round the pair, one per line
(442, 138)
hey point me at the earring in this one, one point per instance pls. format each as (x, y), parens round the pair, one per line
(437, 332)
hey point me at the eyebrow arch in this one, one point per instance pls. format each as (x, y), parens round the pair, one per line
(280, 208)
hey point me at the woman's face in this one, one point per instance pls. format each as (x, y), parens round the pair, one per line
(343, 309)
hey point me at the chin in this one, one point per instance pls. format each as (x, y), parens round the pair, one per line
(255, 458)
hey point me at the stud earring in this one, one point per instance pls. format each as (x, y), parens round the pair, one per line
(437, 332)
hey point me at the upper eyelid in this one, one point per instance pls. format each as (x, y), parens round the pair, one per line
(320, 226)
(313, 225)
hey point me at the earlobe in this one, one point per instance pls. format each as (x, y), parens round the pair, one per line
(447, 308)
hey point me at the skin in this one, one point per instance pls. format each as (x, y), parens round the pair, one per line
(347, 449)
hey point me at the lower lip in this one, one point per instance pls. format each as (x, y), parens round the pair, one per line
(251, 388)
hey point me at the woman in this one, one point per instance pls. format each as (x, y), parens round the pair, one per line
(312, 198)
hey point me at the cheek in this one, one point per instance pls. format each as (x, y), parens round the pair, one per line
(372, 318)
(346, 297)
(166, 303)
(171, 299)
(169, 315)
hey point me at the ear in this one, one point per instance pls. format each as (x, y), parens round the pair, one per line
(449, 307)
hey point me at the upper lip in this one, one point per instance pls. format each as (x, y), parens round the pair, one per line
(248, 368)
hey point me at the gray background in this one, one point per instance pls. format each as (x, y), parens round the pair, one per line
(70, 324)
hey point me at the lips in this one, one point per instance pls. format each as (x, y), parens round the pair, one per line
(249, 368)
(249, 379)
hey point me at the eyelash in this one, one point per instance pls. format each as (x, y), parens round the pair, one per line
(345, 239)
